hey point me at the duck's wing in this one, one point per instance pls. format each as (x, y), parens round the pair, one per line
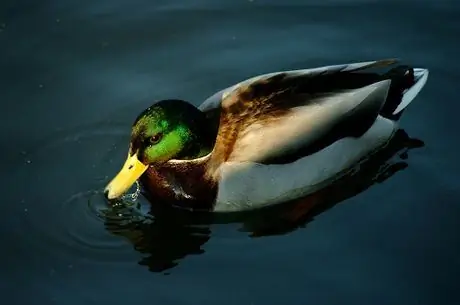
(215, 100)
(277, 115)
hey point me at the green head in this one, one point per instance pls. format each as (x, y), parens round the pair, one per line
(169, 129)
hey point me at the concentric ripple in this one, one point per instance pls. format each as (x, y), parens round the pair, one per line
(67, 213)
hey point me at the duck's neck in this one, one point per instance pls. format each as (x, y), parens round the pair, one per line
(200, 146)
(204, 136)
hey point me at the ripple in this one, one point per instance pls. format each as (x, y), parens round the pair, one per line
(95, 210)
(66, 213)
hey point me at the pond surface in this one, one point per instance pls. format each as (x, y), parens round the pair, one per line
(74, 75)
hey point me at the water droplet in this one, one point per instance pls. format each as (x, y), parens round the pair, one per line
(28, 161)
(40, 86)
(26, 210)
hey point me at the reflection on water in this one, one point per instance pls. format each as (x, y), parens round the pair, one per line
(162, 241)
(171, 234)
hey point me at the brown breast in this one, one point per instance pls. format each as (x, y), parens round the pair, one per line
(180, 186)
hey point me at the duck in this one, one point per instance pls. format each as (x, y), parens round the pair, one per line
(269, 139)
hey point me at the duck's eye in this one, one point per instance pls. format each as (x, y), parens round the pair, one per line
(156, 138)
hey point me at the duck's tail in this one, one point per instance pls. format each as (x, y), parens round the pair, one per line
(406, 83)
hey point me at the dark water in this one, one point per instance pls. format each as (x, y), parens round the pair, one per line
(74, 74)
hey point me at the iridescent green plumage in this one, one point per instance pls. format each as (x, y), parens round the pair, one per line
(170, 129)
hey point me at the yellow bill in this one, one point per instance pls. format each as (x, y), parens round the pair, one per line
(131, 171)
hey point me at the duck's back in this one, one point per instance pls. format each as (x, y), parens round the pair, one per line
(328, 120)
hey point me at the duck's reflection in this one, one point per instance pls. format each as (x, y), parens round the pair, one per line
(173, 234)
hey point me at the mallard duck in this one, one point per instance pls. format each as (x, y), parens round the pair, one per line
(269, 139)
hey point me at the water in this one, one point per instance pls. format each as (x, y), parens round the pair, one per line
(73, 75)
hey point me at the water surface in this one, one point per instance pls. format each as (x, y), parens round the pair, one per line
(73, 76)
